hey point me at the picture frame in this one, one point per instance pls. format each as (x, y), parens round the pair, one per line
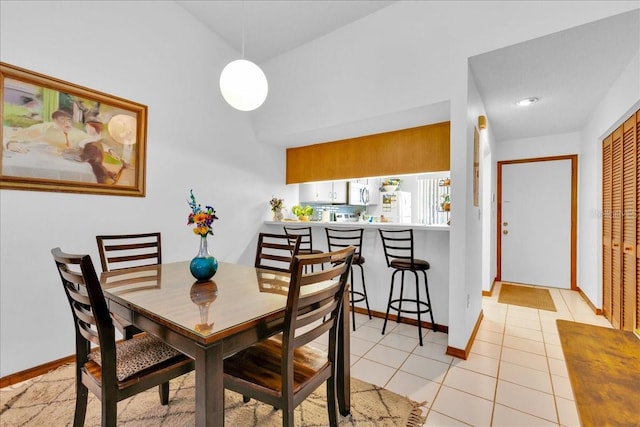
(63, 137)
(476, 167)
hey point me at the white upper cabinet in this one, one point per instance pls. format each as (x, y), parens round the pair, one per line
(323, 192)
(339, 192)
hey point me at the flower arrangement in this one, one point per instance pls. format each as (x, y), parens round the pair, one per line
(202, 218)
(276, 204)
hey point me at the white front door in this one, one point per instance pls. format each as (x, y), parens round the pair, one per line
(536, 223)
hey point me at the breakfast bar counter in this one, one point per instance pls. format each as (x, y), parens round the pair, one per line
(431, 243)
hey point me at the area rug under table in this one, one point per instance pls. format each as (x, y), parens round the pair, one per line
(50, 400)
(604, 369)
(526, 296)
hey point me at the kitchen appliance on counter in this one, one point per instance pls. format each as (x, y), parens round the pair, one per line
(396, 207)
(346, 217)
(358, 194)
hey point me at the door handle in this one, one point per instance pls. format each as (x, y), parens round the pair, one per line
(505, 231)
(505, 223)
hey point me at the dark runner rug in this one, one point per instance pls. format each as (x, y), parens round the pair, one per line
(604, 369)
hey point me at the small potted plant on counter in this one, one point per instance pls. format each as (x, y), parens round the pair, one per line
(303, 213)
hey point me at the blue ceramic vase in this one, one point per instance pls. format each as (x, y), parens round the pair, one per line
(204, 265)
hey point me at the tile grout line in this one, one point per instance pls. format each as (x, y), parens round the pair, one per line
(553, 389)
(495, 391)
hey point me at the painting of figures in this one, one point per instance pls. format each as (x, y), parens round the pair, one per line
(57, 136)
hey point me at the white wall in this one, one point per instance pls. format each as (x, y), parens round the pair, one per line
(543, 146)
(154, 54)
(359, 72)
(486, 209)
(617, 105)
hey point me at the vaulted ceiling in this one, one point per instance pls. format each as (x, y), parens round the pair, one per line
(568, 71)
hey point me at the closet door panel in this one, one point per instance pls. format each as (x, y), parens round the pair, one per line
(616, 228)
(606, 227)
(637, 214)
(629, 220)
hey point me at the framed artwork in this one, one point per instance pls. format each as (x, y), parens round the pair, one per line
(476, 167)
(59, 136)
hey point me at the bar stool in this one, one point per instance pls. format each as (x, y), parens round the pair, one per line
(398, 251)
(306, 240)
(338, 238)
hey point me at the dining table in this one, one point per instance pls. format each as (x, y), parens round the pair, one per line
(210, 320)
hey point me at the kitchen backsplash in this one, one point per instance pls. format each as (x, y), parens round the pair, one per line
(318, 208)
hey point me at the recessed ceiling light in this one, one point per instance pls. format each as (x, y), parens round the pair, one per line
(527, 101)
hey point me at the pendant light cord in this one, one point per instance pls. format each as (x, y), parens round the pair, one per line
(244, 15)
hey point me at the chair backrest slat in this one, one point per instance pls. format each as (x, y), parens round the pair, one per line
(88, 333)
(314, 300)
(119, 251)
(276, 251)
(91, 316)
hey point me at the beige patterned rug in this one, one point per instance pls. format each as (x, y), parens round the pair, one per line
(526, 296)
(50, 399)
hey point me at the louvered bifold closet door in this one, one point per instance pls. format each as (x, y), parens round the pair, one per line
(616, 228)
(637, 214)
(607, 185)
(629, 224)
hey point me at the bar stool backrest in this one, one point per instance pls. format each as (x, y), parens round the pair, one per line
(338, 238)
(306, 240)
(398, 245)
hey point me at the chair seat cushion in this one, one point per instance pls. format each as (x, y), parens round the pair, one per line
(418, 264)
(260, 364)
(137, 354)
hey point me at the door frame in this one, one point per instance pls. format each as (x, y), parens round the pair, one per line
(574, 211)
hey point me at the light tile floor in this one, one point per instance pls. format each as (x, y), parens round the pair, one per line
(515, 374)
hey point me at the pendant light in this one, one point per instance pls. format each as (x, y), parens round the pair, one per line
(243, 84)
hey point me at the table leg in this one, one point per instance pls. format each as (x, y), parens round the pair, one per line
(344, 364)
(209, 386)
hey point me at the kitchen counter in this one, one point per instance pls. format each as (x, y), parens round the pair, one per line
(347, 224)
(431, 243)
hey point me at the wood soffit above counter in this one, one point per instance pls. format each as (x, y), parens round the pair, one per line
(407, 151)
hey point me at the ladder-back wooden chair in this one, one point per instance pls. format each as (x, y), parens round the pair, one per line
(283, 371)
(276, 251)
(112, 371)
(120, 251)
(306, 240)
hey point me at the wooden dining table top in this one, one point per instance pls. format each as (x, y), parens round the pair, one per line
(236, 298)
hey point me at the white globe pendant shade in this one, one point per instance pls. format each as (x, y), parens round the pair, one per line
(243, 85)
